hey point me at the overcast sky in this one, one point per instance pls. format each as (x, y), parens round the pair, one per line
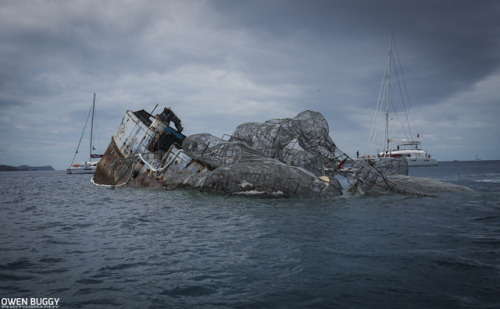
(223, 62)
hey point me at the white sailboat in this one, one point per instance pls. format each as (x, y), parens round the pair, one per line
(89, 167)
(404, 145)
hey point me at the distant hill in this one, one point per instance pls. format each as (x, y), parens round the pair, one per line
(6, 168)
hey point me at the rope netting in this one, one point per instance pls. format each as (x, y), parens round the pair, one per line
(239, 168)
(288, 155)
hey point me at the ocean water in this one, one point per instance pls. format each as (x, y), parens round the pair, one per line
(93, 247)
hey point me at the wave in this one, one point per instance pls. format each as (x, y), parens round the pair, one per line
(488, 180)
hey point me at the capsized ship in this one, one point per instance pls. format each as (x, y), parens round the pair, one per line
(289, 156)
(146, 151)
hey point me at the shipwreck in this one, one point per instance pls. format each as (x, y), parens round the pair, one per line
(289, 156)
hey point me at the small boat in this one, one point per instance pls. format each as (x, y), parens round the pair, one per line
(411, 150)
(88, 167)
(405, 145)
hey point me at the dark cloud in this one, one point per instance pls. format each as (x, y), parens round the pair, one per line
(5, 103)
(457, 42)
(227, 61)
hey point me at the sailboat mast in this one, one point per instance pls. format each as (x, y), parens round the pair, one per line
(386, 146)
(388, 95)
(92, 129)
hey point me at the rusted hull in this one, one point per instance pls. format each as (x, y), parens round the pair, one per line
(144, 153)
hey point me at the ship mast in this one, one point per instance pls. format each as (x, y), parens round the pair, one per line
(92, 129)
(388, 94)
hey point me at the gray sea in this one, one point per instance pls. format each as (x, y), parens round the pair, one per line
(64, 239)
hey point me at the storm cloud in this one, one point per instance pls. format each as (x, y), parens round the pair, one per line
(220, 63)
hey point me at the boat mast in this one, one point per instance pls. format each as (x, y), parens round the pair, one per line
(388, 94)
(92, 129)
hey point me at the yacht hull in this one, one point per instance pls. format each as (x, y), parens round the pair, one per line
(421, 162)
